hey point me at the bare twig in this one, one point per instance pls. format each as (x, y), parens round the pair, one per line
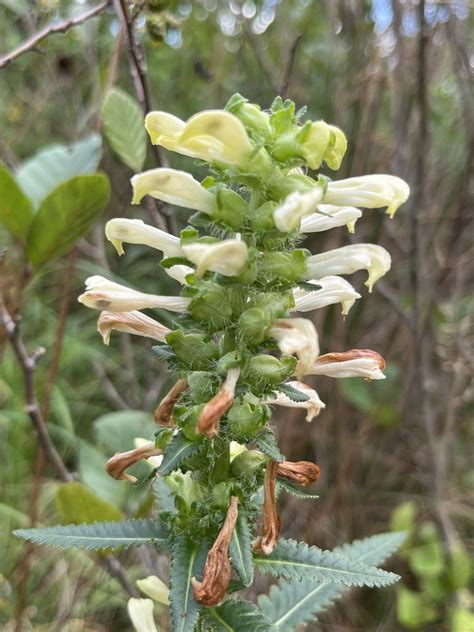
(31, 43)
(285, 82)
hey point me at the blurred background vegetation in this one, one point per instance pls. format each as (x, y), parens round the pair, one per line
(396, 76)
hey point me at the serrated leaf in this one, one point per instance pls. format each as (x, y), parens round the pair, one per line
(99, 535)
(293, 393)
(187, 561)
(267, 444)
(298, 560)
(236, 616)
(293, 603)
(178, 449)
(122, 118)
(16, 210)
(240, 550)
(65, 215)
(163, 352)
(164, 496)
(77, 504)
(41, 173)
(294, 490)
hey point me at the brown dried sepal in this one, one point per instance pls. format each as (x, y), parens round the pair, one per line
(300, 472)
(117, 464)
(271, 520)
(213, 587)
(352, 354)
(163, 413)
(215, 408)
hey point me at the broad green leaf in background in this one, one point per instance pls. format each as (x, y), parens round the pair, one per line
(76, 504)
(187, 561)
(16, 210)
(122, 117)
(65, 215)
(116, 431)
(42, 173)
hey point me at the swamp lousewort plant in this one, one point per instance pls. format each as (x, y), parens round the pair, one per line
(237, 350)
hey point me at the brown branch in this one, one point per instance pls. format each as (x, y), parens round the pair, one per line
(285, 82)
(31, 43)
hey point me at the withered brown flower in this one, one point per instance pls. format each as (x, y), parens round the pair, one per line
(216, 407)
(211, 590)
(271, 520)
(117, 464)
(301, 472)
(163, 413)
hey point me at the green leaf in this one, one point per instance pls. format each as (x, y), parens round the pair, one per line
(236, 616)
(294, 490)
(42, 173)
(76, 504)
(99, 535)
(178, 449)
(66, 215)
(414, 609)
(267, 444)
(163, 495)
(240, 549)
(293, 603)
(116, 431)
(16, 210)
(292, 392)
(122, 117)
(187, 561)
(297, 560)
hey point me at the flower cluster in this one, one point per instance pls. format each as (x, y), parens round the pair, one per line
(235, 346)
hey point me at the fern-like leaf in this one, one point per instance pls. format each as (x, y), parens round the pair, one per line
(187, 561)
(236, 616)
(178, 449)
(241, 550)
(294, 490)
(293, 603)
(297, 560)
(267, 444)
(98, 535)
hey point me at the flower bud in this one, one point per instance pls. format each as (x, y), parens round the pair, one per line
(246, 419)
(297, 336)
(251, 115)
(247, 462)
(271, 521)
(231, 208)
(309, 142)
(187, 418)
(328, 216)
(227, 257)
(211, 304)
(131, 323)
(313, 404)
(221, 494)
(104, 294)
(193, 350)
(354, 363)
(332, 289)
(134, 231)
(117, 464)
(163, 413)
(202, 384)
(286, 267)
(348, 259)
(336, 149)
(288, 215)
(266, 369)
(140, 612)
(373, 191)
(185, 487)
(174, 187)
(300, 472)
(153, 587)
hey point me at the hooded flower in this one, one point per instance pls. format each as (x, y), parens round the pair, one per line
(373, 191)
(163, 413)
(313, 404)
(213, 587)
(297, 336)
(328, 216)
(104, 294)
(337, 148)
(332, 289)
(154, 588)
(130, 323)
(271, 521)
(227, 257)
(300, 472)
(174, 187)
(117, 464)
(134, 231)
(354, 363)
(288, 215)
(211, 135)
(217, 407)
(140, 612)
(348, 259)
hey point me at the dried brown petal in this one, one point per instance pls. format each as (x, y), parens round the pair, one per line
(117, 465)
(301, 472)
(133, 322)
(163, 413)
(271, 520)
(352, 354)
(212, 589)
(216, 407)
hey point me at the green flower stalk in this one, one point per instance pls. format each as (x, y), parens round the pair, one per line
(236, 348)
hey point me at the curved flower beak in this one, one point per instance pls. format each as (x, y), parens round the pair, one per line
(179, 273)
(153, 461)
(328, 216)
(104, 294)
(333, 289)
(315, 144)
(154, 588)
(313, 404)
(336, 149)
(297, 336)
(140, 612)
(348, 259)
(354, 363)
(164, 129)
(134, 231)
(117, 464)
(371, 191)
(288, 215)
(174, 187)
(227, 257)
(130, 323)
